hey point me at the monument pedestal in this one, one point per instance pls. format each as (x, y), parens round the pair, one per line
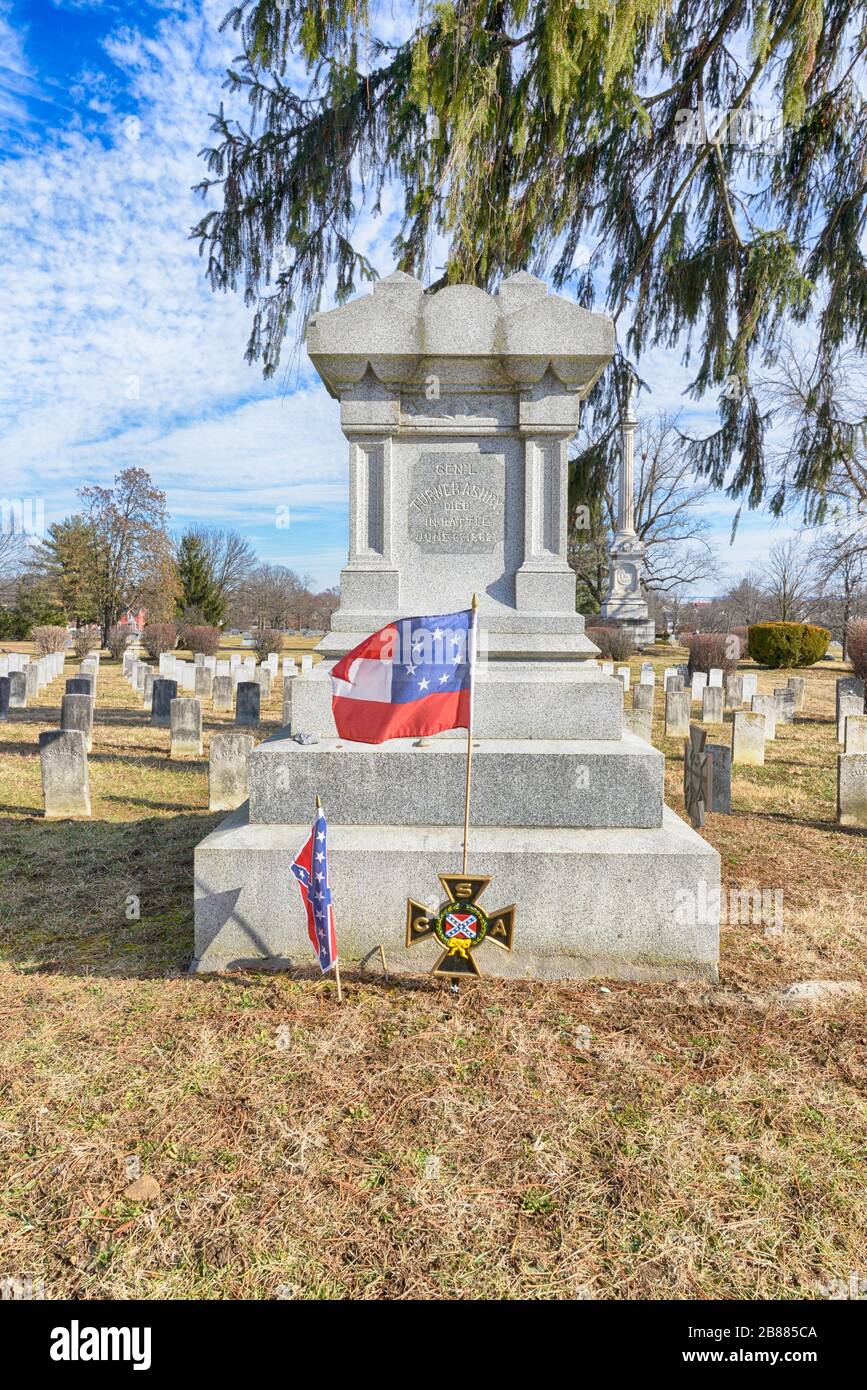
(459, 408)
(627, 904)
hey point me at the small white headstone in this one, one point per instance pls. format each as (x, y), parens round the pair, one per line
(715, 676)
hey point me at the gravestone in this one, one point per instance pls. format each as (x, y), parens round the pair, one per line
(751, 685)
(785, 701)
(76, 712)
(289, 667)
(164, 692)
(141, 671)
(855, 734)
(734, 689)
(17, 690)
(148, 691)
(247, 703)
(766, 705)
(4, 697)
(223, 697)
(798, 685)
(459, 408)
(63, 762)
(288, 682)
(852, 790)
(677, 703)
(185, 713)
(188, 677)
(227, 770)
(263, 680)
(712, 704)
(608, 668)
(697, 776)
(204, 683)
(698, 684)
(224, 668)
(640, 722)
(721, 778)
(642, 697)
(624, 674)
(648, 676)
(31, 681)
(715, 677)
(79, 685)
(849, 685)
(748, 738)
(847, 704)
(198, 659)
(4, 665)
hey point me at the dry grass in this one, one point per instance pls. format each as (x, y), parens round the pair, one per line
(705, 1143)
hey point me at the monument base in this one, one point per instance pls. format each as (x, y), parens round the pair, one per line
(629, 904)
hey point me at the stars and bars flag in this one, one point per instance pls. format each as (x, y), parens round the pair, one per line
(408, 680)
(311, 872)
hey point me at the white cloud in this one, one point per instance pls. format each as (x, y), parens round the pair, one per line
(114, 350)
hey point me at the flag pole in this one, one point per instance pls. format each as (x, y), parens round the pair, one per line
(337, 962)
(472, 655)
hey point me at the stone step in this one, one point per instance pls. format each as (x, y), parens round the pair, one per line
(517, 699)
(516, 782)
(626, 904)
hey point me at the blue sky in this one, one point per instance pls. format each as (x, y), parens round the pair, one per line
(113, 349)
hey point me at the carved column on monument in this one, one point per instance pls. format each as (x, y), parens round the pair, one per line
(625, 603)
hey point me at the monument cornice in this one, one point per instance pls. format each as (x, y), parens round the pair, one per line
(401, 334)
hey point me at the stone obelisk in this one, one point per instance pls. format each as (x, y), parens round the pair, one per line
(625, 604)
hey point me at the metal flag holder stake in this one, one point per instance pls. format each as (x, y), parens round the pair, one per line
(459, 924)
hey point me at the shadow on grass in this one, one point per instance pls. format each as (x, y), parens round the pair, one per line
(67, 887)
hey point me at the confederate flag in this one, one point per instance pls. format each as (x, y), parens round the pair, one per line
(408, 680)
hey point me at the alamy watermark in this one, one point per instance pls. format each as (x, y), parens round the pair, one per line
(758, 128)
(23, 516)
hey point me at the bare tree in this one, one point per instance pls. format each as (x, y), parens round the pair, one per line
(229, 555)
(789, 580)
(14, 556)
(819, 406)
(746, 601)
(273, 596)
(841, 574)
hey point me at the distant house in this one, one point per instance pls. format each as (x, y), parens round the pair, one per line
(134, 619)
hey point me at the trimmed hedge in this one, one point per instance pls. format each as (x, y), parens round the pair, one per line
(788, 644)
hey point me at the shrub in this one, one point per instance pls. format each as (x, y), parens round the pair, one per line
(788, 644)
(117, 640)
(157, 638)
(614, 643)
(201, 639)
(266, 641)
(84, 641)
(712, 649)
(856, 646)
(50, 639)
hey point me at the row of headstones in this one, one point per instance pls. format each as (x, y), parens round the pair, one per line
(852, 762)
(63, 752)
(208, 678)
(23, 678)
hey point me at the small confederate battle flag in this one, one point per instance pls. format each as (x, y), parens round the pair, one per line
(410, 679)
(311, 870)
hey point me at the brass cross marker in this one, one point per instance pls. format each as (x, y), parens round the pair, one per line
(460, 925)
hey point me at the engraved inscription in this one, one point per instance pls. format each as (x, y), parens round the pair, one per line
(457, 503)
